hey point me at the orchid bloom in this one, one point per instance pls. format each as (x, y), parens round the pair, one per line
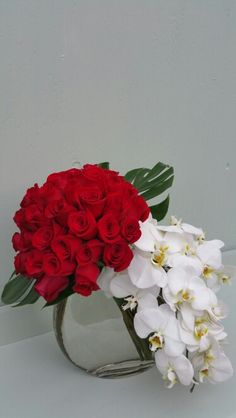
(215, 278)
(184, 286)
(180, 227)
(161, 327)
(149, 235)
(120, 286)
(147, 266)
(197, 329)
(212, 365)
(185, 253)
(147, 270)
(174, 369)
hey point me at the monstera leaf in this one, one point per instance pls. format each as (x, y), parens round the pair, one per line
(151, 183)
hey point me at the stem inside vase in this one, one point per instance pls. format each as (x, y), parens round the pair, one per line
(141, 344)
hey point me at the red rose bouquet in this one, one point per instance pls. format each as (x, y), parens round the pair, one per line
(77, 222)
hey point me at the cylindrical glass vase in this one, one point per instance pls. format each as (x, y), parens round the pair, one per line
(96, 335)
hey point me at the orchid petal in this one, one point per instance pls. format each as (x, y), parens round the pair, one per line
(144, 274)
(121, 286)
(184, 370)
(148, 321)
(104, 280)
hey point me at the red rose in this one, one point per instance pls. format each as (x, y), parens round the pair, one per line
(31, 196)
(89, 252)
(117, 255)
(92, 199)
(42, 237)
(72, 194)
(82, 224)
(49, 192)
(19, 218)
(34, 217)
(85, 279)
(33, 263)
(113, 204)
(113, 179)
(19, 262)
(52, 266)
(59, 210)
(23, 241)
(92, 175)
(66, 246)
(61, 179)
(50, 287)
(130, 229)
(137, 207)
(109, 229)
(17, 241)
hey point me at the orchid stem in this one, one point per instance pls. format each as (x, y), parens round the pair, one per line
(141, 345)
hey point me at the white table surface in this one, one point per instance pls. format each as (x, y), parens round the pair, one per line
(38, 382)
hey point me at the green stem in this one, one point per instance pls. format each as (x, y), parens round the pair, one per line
(141, 345)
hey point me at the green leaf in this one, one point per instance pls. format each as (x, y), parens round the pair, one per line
(64, 294)
(12, 275)
(140, 178)
(157, 190)
(157, 169)
(157, 181)
(29, 299)
(105, 165)
(15, 289)
(130, 175)
(160, 210)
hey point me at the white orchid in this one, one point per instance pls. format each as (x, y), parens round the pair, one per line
(120, 286)
(197, 329)
(147, 270)
(210, 256)
(219, 311)
(161, 327)
(174, 369)
(177, 266)
(149, 235)
(177, 226)
(183, 251)
(184, 286)
(216, 278)
(213, 365)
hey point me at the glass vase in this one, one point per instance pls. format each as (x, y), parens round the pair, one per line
(97, 335)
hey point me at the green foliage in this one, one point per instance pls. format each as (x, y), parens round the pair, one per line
(160, 210)
(29, 299)
(105, 165)
(151, 183)
(15, 289)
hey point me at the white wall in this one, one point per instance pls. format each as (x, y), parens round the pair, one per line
(128, 81)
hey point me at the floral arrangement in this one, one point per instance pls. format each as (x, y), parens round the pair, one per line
(91, 228)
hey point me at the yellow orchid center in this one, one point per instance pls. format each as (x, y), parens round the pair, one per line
(207, 272)
(159, 257)
(203, 373)
(208, 357)
(155, 341)
(185, 295)
(224, 278)
(200, 331)
(188, 250)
